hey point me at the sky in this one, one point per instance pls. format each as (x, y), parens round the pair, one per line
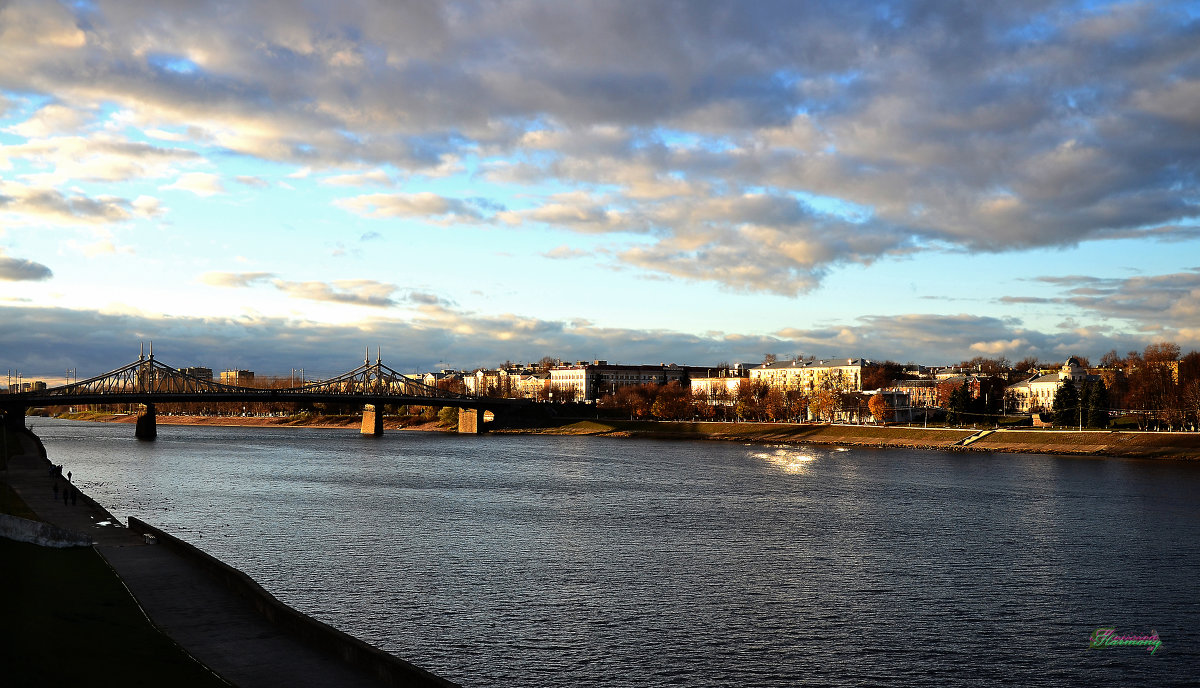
(277, 184)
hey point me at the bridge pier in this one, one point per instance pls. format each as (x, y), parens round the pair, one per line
(470, 421)
(147, 425)
(372, 423)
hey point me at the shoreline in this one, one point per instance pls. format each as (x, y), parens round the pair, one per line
(1181, 446)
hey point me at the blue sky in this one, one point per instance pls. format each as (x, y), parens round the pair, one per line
(281, 184)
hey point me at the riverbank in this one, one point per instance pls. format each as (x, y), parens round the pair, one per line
(1099, 443)
(201, 621)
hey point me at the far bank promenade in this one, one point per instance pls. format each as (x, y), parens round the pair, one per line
(213, 612)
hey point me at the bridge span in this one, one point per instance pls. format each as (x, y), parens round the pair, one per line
(148, 382)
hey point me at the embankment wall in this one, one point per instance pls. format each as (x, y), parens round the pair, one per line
(388, 668)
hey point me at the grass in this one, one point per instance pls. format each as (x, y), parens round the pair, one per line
(66, 619)
(774, 432)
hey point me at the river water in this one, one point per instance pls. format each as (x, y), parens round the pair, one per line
(573, 561)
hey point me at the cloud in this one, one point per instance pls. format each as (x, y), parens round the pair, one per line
(43, 340)
(565, 252)
(352, 292)
(52, 119)
(256, 182)
(32, 204)
(100, 156)
(1167, 304)
(200, 183)
(22, 270)
(417, 205)
(911, 127)
(235, 279)
(374, 177)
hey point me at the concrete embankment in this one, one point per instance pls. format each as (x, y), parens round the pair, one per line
(214, 612)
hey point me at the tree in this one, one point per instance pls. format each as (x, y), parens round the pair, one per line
(882, 375)
(769, 359)
(1026, 364)
(1066, 404)
(958, 403)
(671, 402)
(1095, 404)
(775, 405)
(880, 408)
(751, 396)
(448, 416)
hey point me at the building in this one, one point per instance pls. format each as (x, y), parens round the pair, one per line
(900, 403)
(919, 392)
(721, 388)
(201, 373)
(588, 382)
(240, 378)
(1037, 393)
(843, 375)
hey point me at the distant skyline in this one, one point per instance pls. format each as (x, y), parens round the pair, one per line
(274, 184)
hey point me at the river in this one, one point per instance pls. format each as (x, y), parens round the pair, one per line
(574, 561)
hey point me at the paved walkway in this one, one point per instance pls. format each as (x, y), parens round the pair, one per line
(212, 623)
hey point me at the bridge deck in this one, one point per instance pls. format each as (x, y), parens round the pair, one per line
(211, 622)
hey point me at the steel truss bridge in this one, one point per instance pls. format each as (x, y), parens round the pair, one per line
(148, 381)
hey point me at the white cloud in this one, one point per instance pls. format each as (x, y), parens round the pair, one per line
(200, 183)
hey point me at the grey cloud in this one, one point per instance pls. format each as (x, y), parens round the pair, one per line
(22, 270)
(55, 205)
(424, 204)
(352, 292)
(41, 341)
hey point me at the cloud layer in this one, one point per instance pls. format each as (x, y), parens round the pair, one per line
(754, 145)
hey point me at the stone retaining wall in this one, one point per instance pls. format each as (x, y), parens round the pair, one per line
(44, 534)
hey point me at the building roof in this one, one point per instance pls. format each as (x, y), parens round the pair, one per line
(828, 363)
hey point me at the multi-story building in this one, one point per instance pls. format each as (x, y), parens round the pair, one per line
(920, 392)
(199, 372)
(844, 374)
(241, 378)
(588, 382)
(721, 387)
